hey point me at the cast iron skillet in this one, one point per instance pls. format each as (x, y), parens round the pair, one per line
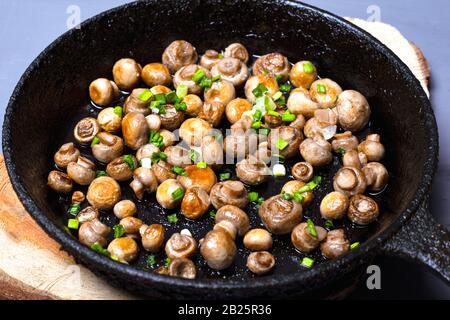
(54, 88)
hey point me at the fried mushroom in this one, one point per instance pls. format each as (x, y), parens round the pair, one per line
(93, 231)
(87, 214)
(138, 102)
(59, 181)
(135, 130)
(221, 91)
(302, 171)
(167, 194)
(152, 237)
(178, 54)
(180, 246)
(238, 51)
(172, 118)
(108, 148)
(198, 177)
(82, 171)
(325, 92)
(177, 156)
(182, 268)
(372, 147)
(66, 154)
(195, 203)
(334, 205)
(154, 74)
(127, 73)
(258, 240)
(376, 176)
(125, 249)
(260, 262)
(266, 80)
(193, 130)
(229, 192)
(335, 244)
(233, 219)
(163, 171)
(144, 180)
(86, 130)
(285, 141)
(303, 74)
(252, 171)
(353, 110)
(350, 181)
(209, 58)
(103, 91)
(121, 168)
(184, 77)
(110, 119)
(218, 249)
(316, 151)
(103, 193)
(362, 209)
(279, 215)
(306, 240)
(124, 208)
(275, 64)
(344, 141)
(231, 69)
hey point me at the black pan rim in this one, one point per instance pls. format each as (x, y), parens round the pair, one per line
(85, 254)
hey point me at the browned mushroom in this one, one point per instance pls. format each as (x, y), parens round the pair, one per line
(349, 181)
(59, 181)
(169, 193)
(146, 151)
(258, 239)
(211, 150)
(353, 110)
(323, 123)
(193, 104)
(238, 51)
(240, 144)
(154, 74)
(144, 180)
(108, 147)
(169, 137)
(198, 177)
(209, 58)
(184, 77)
(229, 192)
(285, 141)
(273, 120)
(195, 203)
(303, 74)
(279, 215)
(86, 130)
(263, 152)
(376, 176)
(316, 151)
(124, 208)
(372, 147)
(103, 91)
(180, 246)
(152, 237)
(335, 244)
(153, 122)
(135, 130)
(87, 214)
(110, 119)
(183, 268)
(218, 249)
(275, 64)
(131, 226)
(252, 171)
(172, 118)
(260, 262)
(299, 122)
(124, 249)
(121, 168)
(66, 153)
(235, 108)
(103, 193)
(302, 171)
(93, 231)
(242, 125)
(325, 92)
(78, 197)
(353, 158)
(127, 73)
(178, 156)
(178, 54)
(362, 209)
(234, 220)
(82, 171)
(300, 102)
(344, 142)
(305, 239)
(138, 101)
(221, 91)
(334, 205)
(212, 112)
(163, 171)
(294, 186)
(193, 130)
(231, 69)
(266, 80)
(158, 89)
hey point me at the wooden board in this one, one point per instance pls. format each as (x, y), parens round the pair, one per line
(32, 265)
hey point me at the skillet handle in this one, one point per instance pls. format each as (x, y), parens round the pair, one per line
(422, 240)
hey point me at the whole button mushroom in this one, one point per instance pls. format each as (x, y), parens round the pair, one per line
(302, 171)
(195, 203)
(180, 246)
(163, 171)
(135, 130)
(86, 130)
(303, 74)
(221, 91)
(334, 205)
(299, 122)
(231, 69)
(325, 92)
(110, 119)
(279, 215)
(376, 176)
(146, 151)
(108, 148)
(153, 122)
(154, 74)
(66, 153)
(87, 214)
(127, 73)
(125, 249)
(169, 194)
(184, 77)
(212, 112)
(78, 197)
(144, 180)
(229, 192)
(316, 151)
(209, 58)
(131, 226)
(344, 141)
(235, 108)
(121, 168)
(372, 148)
(211, 151)
(349, 181)
(160, 89)
(260, 262)
(323, 122)
(198, 177)
(234, 220)
(82, 171)
(258, 240)
(138, 101)
(353, 158)
(285, 141)
(177, 156)
(267, 81)
(275, 64)
(103, 91)
(353, 110)
(218, 249)
(193, 130)
(306, 240)
(300, 102)
(182, 268)
(252, 171)
(59, 181)
(103, 193)
(238, 51)
(335, 244)
(294, 186)
(273, 120)
(242, 125)
(172, 118)
(93, 231)
(124, 208)
(362, 209)
(194, 104)
(152, 237)
(263, 152)
(178, 54)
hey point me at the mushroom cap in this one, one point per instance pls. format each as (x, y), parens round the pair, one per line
(303, 171)
(212, 112)
(177, 156)
(279, 215)
(372, 148)
(86, 130)
(376, 176)
(252, 171)
(260, 262)
(194, 104)
(229, 192)
(152, 237)
(143, 180)
(168, 137)
(353, 110)
(93, 231)
(299, 77)
(349, 181)
(164, 193)
(258, 239)
(135, 130)
(146, 151)
(198, 177)
(163, 171)
(178, 54)
(193, 130)
(131, 225)
(103, 91)
(172, 118)
(323, 123)
(221, 91)
(195, 203)
(109, 147)
(127, 73)
(209, 58)
(235, 108)
(109, 121)
(103, 193)
(218, 249)
(334, 205)
(78, 197)
(300, 102)
(293, 186)
(120, 170)
(238, 51)
(266, 80)
(353, 158)
(329, 97)
(183, 268)
(124, 208)
(236, 216)
(303, 240)
(184, 77)
(272, 120)
(362, 209)
(133, 103)
(66, 153)
(160, 89)
(125, 249)
(231, 69)
(153, 122)
(316, 151)
(263, 152)
(180, 246)
(345, 141)
(211, 150)
(87, 214)
(288, 134)
(80, 173)
(335, 244)
(154, 74)
(299, 122)
(275, 64)
(59, 181)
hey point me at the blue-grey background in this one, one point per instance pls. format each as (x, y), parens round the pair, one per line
(28, 26)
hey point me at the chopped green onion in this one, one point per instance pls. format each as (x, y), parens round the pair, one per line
(220, 55)
(297, 197)
(256, 125)
(288, 117)
(118, 111)
(308, 67)
(100, 173)
(115, 258)
(257, 115)
(277, 95)
(172, 97)
(180, 171)
(225, 176)
(145, 95)
(269, 104)
(281, 102)
(172, 218)
(259, 90)
(205, 83)
(273, 113)
(264, 131)
(315, 181)
(97, 247)
(279, 78)
(212, 214)
(286, 196)
(341, 151)
(260, 201)
(156, 139)
(281, 144)
(180, 106)
(158, 156)
(178, 194)
(311, 228)
(202, 165)
(215, 78)
(73, 224)
(129, 160)
(182, 91)
(167, 262)
(307, 262)
(285, 87)
(151, 260)
(252, 196)
(329, 224)
(119, 231)
(160, 98)
(198, 76)
(74, 208)
(354, 245)
(95, 141)
(304, 189)
(193, 155)
(321, 88)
